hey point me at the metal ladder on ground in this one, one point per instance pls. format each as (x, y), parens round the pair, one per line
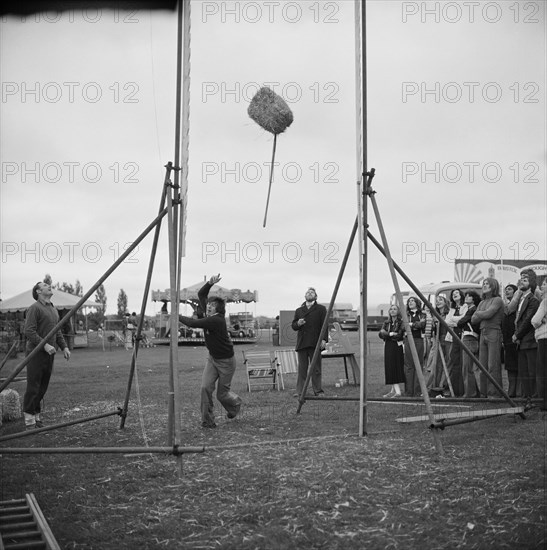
(23, 525)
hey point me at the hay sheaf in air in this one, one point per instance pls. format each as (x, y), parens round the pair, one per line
(270, 111)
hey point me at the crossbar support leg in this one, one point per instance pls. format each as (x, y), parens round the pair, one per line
(414, 352)
(317, 351)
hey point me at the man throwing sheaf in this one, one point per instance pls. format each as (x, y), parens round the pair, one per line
(221, 363)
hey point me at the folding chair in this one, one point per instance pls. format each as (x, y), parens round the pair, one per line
(262, 369)
(287, 361)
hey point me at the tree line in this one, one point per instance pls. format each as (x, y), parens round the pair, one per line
(97, 317)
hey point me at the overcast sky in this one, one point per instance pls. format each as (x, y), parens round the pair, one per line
(456, 133)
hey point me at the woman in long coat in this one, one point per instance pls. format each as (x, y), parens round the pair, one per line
(392, 333)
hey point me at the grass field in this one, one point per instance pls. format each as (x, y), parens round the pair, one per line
(272, 479)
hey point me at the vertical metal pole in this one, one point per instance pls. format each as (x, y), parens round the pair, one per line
(362, 160)
(173, 423)
(173, 200)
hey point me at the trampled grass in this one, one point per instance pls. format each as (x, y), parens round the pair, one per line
(272, 479)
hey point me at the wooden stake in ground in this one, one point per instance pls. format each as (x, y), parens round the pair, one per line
(272, 113)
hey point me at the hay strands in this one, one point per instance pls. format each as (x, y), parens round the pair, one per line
(271, 113)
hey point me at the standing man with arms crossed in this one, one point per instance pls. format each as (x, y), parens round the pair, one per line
(308, 322)
(221, 362)
(41, 318)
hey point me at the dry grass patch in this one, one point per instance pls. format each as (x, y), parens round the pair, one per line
(272, 479)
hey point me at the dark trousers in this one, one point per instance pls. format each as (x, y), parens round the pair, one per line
(470, 381)
(454, 367)
(541, 366)
(510, 355)
(304, 359)
(39, 371)
(412, 385)
(512, 377)
(527, 371)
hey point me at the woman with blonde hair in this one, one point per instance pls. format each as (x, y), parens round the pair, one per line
(489, 316)
(439, 345)
(392, 333)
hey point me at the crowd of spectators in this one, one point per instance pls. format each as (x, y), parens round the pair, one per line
(508, 331)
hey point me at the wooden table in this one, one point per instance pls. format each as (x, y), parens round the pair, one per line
(346, 357)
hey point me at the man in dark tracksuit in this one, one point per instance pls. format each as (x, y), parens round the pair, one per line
(221, 363)
(308, 322)
(41, 318)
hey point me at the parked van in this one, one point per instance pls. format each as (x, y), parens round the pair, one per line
(345, 315)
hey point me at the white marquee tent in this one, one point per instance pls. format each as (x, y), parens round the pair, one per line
(61, 300)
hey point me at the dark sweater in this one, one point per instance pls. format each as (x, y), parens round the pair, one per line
(417, 320)
(465, 322)
(508, 327)
(40, 319)
(217, 339)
